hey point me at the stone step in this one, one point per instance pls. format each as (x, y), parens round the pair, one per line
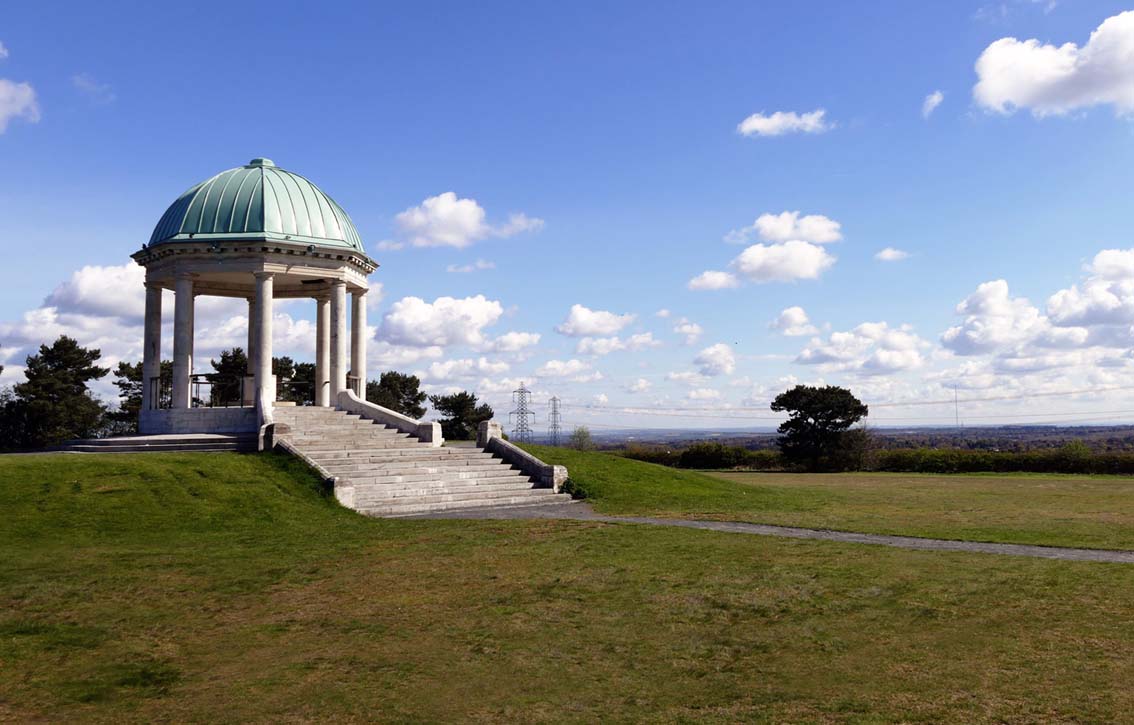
(378, 494)
(428, 506)
(419, 451)
(377, 478)
(347, 466)
(360, 445)
(362, 436)
(161, 448)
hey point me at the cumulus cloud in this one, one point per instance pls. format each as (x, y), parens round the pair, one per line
(641, 385)
(382, 355)
(784, 122)
(793, 322)
(872, 348)
(713, 280)
(931, 102)
(890, 254)
(662, 313)
(17, 100)
(448, 221)
(704, 394)
(785, 262)
(788, 226)
(1105, 297)
(687, 377)
(389, 245)
(3, 52)
(716, 360)
(117, 291)
(443, 371)
(577, 369)
(584, 322)
(993, 321)
(691, 330)
(445, 321)
(514, 341)
(1055, 80)
(598, 346)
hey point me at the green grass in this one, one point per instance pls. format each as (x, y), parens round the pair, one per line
(224, 588)
(1053, 510)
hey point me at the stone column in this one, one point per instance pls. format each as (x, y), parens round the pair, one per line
(358, 339)
(151, 348)
(323, 351)
(182, 339)
(265, 382)
(338, 339)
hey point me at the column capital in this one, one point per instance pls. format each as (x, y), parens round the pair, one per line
(154, 286)
(360, 292)
(263, 275)
(185, 275)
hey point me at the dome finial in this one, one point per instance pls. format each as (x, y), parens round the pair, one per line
(261, 161)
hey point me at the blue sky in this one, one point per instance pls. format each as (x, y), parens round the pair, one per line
(614, 131)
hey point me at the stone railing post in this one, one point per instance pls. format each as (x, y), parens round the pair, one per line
(486, 431)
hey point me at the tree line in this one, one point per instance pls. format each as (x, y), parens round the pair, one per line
(55, 403)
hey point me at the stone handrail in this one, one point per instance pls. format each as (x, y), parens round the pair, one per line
(489, 436)
(425, 431)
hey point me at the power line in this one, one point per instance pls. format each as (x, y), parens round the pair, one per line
(522, 430)
(555, 419)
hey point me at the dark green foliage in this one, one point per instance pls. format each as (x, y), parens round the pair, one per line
(463, 415)
(661, 455)
(818, 418)
(295, 381)
(1074, 457)
(399, 392)
(53, 404)
(128, 380)
(227, 380)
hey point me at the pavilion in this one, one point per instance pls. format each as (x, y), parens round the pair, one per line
(259, 233)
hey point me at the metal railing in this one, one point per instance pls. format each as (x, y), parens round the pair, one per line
(355, 384)
(161, 392)
(300, 392)
(223, 391)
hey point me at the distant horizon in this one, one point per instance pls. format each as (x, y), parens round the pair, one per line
(666, 217)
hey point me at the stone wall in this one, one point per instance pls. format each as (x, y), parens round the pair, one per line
(198, 420)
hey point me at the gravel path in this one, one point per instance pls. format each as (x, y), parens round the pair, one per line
(582, 512)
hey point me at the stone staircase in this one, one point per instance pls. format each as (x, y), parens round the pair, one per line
(381, 472)
(173, 443)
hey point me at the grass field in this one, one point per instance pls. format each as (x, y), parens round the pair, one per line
(1053, 510)
(225, 587)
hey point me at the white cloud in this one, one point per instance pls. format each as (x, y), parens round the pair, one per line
(471, 267)
(3, 52)
(784, 122)
(514, 341)
(584, 322)
(463, 368)
(385, 356)
(601, 399)
(993, 321)
(662, 313)
(793, 322)
(17, 100)
(563, 368)
(605, 345)
(98, 92)
(890, 254)
(1106, 297)
(931, 102)
(448, 221)
(713, 280)
(785, 262)
(1055, 80)
(117, 291)
(641, 385)
(691, 330)
(788, 226)
(872, 348)
(445, 321)
(388, 245)
(716, 360)
(687, 378)
(704, 394)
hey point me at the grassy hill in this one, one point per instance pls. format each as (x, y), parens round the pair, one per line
(225, 587)
(1045, 509)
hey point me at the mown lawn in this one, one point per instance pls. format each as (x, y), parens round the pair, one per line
(1053, 510)
(225, 587)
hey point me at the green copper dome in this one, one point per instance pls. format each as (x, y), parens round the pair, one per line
(257, 201)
